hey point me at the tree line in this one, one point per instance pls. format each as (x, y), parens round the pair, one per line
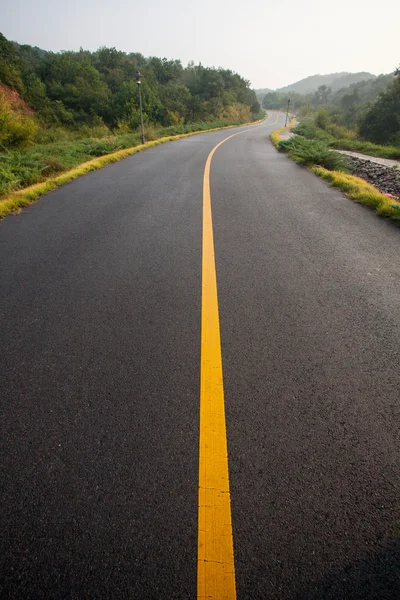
(71, 89)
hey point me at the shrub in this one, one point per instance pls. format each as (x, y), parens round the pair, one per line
(338, 131)
(328, 135)
(322, 119)
(16, 130)
(150, 132)
(49, 135)
(311, 152)
(309, 130)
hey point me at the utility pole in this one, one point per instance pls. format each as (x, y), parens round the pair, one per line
(287, 112)
(138, 77)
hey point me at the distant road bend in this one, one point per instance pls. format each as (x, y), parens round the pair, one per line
(205, 307)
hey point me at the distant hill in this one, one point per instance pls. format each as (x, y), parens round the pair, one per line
(335, 81)
(350, 79)
(364, 91)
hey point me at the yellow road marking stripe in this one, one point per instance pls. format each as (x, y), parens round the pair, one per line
(215, 567)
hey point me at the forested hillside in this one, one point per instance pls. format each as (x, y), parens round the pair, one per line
(370, 108)
(75, 89)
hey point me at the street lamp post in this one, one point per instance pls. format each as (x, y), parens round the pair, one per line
(138, 77)
(287, 113)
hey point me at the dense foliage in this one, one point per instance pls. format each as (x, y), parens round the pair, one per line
(381, 123)
(370, 108)
(98, 89)
(322, 129)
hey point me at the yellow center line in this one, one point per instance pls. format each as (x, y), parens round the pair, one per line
(216, 568)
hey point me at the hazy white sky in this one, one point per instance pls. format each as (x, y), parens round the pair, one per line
(270, 43)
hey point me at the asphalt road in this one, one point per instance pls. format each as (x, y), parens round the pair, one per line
(100, 350)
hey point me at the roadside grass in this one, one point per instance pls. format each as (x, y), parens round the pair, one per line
(362, 192)
(308, 129)
(73, 160)
(367, 148)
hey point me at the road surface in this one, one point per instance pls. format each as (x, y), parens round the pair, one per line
(100, 348)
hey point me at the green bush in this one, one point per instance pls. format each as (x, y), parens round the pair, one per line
(49, 135)
(16, 130)
(322, 119)
(338, 131)
(381, 123)
(311, 152)
(331, 138)
(309, 130)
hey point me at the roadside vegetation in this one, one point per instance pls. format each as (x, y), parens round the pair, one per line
(312, 152)
(340, 138)
(363, 117)
(314, 144)
(24, 167)
(18, 199)
(60, 110)
(334, 168)
(362, 192)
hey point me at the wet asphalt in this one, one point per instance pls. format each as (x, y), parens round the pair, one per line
(100, 355)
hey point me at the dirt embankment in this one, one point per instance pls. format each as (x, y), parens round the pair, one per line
(14, 100)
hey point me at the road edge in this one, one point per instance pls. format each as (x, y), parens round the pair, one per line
(354, 188)
(13, 203)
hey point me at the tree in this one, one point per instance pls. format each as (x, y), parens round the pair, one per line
(323, 94)
(381, 123)
(72, 88)
(10, 66)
